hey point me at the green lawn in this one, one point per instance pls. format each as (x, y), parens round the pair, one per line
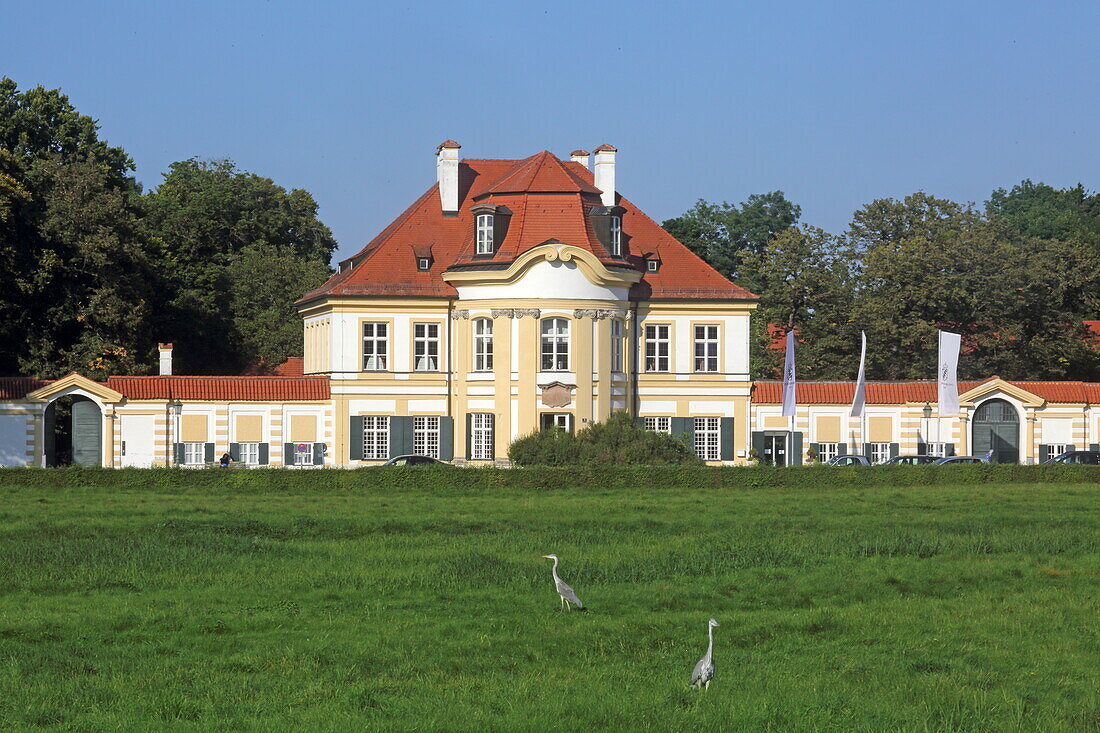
(948, 608)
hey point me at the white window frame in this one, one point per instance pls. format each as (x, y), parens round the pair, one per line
(939, 450)
(617, 345)
(483, 344)
(484, 234)
(562, 420)
(707, 362)
(481, 436)
(379, 339)
(827, 451)
(1054, 450)
(304, 459)
(249, 453)
(423, 264)
(616, 236)
(194, 454)
(708, 438)
(376, 437)
(879, 453)
(554, 340)
(658, 424)
(658, 347)
(426, 436)
(426, 347)
(651, 265)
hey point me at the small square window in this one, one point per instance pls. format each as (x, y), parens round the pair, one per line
(423, 264)
(652, 265)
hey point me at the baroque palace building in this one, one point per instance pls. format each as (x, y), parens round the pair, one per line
(512, 296)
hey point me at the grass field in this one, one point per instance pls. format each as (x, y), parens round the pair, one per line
(858, 609)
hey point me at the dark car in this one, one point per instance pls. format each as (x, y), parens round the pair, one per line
(414, 461)
(850, 460)
(911, 461)
(952, 460)
(1086, 457)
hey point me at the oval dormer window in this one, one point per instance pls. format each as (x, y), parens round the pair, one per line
(484, 234)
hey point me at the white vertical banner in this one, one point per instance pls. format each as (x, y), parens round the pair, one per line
(947, 379)
(789, 387)
(860, 397)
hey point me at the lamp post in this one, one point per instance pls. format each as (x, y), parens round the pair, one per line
(927, 416)
(175, 408)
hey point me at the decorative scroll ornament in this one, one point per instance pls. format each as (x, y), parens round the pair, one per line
(455, 315)
(586, 313)
(523, 312)
(502, 312)
(604, 313)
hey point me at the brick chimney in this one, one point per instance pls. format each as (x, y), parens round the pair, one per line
(605, 173)
(446, 171)
(165, 359)
(579, 156)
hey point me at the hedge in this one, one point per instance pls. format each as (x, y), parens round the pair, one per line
(448, 480)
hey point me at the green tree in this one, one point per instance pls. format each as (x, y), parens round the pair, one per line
(720, 233)
(1044, 212)
(230, 245)
(75, 283)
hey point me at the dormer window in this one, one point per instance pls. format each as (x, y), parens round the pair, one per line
(652, 265)
(484, 234)
(423, 264)
(607, 225)
(616, 236)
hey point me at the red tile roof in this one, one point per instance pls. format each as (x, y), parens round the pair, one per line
(16, 388)
(549, 199)
(221, 388)
(605, 146)
(893, 393)
(294, 366)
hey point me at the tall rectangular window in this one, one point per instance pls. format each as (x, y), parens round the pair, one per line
(617, 236)
(426, 436)
(827, 451)
(708, 438)
(483, 345)
(375, 346)
(658, 424)
(1054, 450)
(616, 345)
(706, 348)
(303, 457)
(481, 437)
(426, 347)
(555, 345)
(484, 234)
(194, 454)
(657, 347)
(250, 453)
(880, 452)
(376, 437)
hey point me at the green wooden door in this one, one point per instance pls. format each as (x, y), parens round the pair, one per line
(87, 433)
(997, 428)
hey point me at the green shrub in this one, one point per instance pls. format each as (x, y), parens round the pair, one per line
(616, 442)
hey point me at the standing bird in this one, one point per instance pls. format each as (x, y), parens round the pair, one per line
(704, 668)
(566, 593)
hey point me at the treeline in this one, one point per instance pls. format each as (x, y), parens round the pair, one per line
(1016, 278)
(96, 271)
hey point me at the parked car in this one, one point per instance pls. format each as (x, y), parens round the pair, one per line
(911, 461)
(414, 461)
(1087, 457)
(952, 460)
(850, 460)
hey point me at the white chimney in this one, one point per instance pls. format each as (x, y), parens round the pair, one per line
(579, 156)
(605, 173)
(446, 171)
(165, 359)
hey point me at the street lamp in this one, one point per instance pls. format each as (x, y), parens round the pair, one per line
(927, 416)
(175, 407)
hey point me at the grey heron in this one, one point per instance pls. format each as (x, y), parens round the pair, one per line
(704, 668)
(566, 593)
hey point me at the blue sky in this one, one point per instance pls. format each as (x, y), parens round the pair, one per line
(835, 103)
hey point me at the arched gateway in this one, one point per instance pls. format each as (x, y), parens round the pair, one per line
(997, 428)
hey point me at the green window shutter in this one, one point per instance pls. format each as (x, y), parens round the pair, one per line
(177, 454)
(446, 438)
(758, 445)
(356, 438)
(1043, 447)
(1071, 447)
(922, 449)
(949, 449)
(684, 429)
(895, 449)
(264, 458)
(401, 438)
(288, 454)
(1094, 446)
(867, 451)
(235, 451)
(639, 422)
(842, 449)
(318, 454)
(208, 450)
(469, 435)
(493, 434)
(726, 439)
(795, 457)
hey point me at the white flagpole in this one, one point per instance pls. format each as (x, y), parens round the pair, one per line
(790, 388)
